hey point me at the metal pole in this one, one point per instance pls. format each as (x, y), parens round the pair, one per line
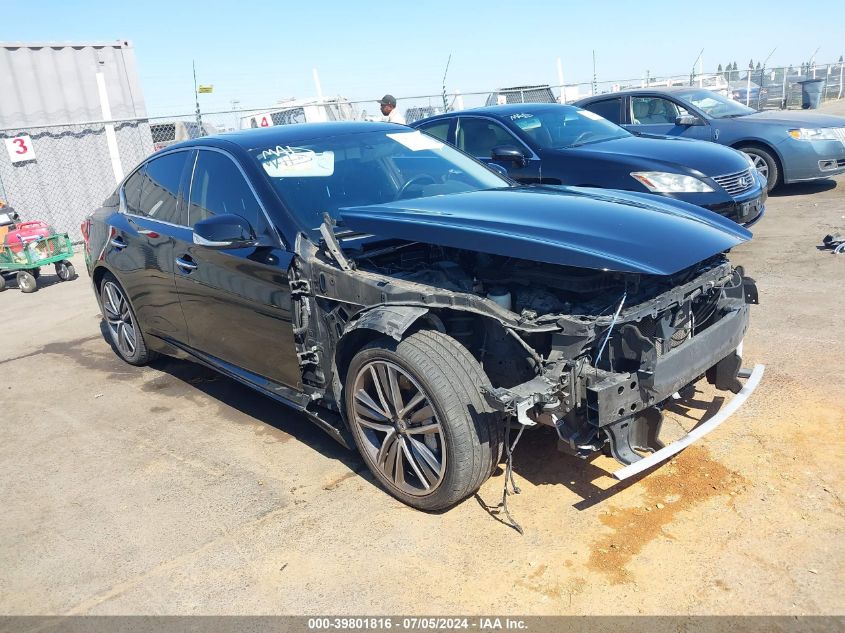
(595, 88)
(197, 97)
(748, 89)
(562, 98)
(841, 66)
(783, 93)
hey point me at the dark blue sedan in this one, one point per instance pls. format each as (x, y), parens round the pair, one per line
(565, 145)
(786, 146)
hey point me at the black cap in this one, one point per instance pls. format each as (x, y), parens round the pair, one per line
(388, 100)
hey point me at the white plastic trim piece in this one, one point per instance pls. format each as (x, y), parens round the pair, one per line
(697, 433)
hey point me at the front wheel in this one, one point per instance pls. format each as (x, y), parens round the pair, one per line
(418, 419)
(765, 164)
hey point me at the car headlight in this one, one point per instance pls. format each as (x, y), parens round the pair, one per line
(665, 182)
(814, 134)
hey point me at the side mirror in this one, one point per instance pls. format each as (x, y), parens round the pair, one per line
(508, 154)
(688, 119)
(224, 231)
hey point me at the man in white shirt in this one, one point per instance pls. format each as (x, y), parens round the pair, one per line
(388, 109)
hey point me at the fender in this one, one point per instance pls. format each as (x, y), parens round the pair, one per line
(393, 321)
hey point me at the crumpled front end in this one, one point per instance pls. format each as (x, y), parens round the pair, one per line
(607, 377)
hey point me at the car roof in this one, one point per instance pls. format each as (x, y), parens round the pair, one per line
(649, 90)
(498, 111)
(291, 134)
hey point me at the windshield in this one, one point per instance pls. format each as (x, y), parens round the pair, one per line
(715, 105)
(367, 168)
(560, 127)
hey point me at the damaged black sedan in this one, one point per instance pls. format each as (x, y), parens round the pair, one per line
(414, 303)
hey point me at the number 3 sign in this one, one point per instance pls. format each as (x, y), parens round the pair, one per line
(20, 149)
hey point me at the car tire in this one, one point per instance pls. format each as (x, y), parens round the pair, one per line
(65, 270)
(765, 163)
(2, 283)
(27, 282)
(124, 332)
(429, 462)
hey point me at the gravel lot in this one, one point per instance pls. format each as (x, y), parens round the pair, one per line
(172, 490)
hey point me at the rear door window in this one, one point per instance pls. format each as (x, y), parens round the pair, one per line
(132, 192)
(607, 109)
(438, 129)
(160, 188)
(218, 188)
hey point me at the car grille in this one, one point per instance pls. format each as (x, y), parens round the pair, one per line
(737, 183)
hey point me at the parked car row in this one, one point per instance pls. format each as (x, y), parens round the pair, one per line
(786, 145)
(565, 145)
(417, 304)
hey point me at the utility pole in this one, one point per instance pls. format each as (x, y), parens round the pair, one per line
(196, 96)
(446, 72)
(595, 85)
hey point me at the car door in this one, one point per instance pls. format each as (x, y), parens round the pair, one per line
(140, 248)
(442, 129)
(478, 136)
(236, 301)
(651, 114)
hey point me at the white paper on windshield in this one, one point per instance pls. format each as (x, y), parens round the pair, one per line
(296, 162)
(590, 115)
(416, 141)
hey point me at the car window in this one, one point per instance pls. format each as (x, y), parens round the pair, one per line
(478, 137)
(218, 187)
(655, 110)
(160, 188)
(716, 105)
(607, 109)
(438, 129)
(132, 192)
(561, 126)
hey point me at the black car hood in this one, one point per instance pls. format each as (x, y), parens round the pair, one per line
(793, 118)
(585, 228)
(678, 155)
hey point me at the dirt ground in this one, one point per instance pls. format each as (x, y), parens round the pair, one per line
(171, 490)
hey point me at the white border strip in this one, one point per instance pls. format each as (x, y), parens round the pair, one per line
(111, 139)
(697, 433)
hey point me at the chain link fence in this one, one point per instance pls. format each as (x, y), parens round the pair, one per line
(60, 173)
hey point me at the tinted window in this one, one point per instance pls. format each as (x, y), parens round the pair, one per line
(160, 188)
(219, 188)
(607, 109)
(438, 129)
(654, 110)
(478, 137)
(132, 192)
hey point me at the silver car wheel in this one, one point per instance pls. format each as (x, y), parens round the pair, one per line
(760, 165)
(403, 438)
(119, 319)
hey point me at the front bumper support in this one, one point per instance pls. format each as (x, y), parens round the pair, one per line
(698, 432)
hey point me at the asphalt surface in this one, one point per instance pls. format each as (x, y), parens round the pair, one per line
(172, 490)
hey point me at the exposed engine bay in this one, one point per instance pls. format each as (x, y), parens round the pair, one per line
(591, 353)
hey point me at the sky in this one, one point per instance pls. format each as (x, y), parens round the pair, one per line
(257, 53)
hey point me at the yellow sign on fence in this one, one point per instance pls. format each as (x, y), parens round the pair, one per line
(206, 89)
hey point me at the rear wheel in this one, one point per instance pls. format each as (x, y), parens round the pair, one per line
(765, 163)
(418, 419)
(124, 334)
(2, 283)
(27, 282)
(65, 270)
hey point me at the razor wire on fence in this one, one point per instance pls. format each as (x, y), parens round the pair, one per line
(61, 173)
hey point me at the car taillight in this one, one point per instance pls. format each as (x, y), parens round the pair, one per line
(86, 230)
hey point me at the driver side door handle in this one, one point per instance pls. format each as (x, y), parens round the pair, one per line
(186, 264)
